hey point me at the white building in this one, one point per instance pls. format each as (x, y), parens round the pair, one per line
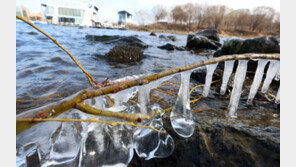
(69, 12)
(124, 17)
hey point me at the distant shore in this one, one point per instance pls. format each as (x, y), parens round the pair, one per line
(184, 30)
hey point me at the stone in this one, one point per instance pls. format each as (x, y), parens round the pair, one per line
(171, 47)
(118, 40)
(203, 40)
(125, 54)
(153, 34)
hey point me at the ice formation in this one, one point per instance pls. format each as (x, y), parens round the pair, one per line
(257, 79)
(228, 68)
(237, 87)
(181, 116)
(271, 72)
(210, 71)
(151, 144)
(94, 144)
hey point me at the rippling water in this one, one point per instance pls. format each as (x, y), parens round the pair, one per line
(45, 73)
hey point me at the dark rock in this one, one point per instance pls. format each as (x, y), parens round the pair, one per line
(203, 40)
(255, 45)
(125, 54)
(169, 37)
(172, 37)
(199, 43)
(153, 34)
(210, 34)
(169, 46)
(118, 40)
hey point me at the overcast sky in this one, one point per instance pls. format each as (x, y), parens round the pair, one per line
(109, 8)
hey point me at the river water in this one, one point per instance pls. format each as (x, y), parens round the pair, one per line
(45, 73)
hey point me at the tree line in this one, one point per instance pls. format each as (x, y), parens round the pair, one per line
(260, 19)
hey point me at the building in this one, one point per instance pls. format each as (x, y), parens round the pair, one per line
(68, 12)
(22, 11)
(36, 17)
(124, 17)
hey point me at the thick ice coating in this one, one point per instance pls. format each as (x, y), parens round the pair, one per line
(257, 79)
(228, 68)
(181, 116)
(271, 72)
(237, 87)
(210, 70)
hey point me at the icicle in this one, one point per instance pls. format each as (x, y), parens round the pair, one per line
(277, 76)
(181, 116)
(237, 87)
(271, 72)
(210, 70)
(228, 68)
(257, 80)
(144, 92)
(122, 97)
(277, 100)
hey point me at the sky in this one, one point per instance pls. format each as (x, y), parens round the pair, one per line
(108, 8)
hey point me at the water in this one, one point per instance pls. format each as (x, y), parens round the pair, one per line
(45, 73)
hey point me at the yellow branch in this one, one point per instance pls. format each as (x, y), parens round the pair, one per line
(85, 120)
(126, 116)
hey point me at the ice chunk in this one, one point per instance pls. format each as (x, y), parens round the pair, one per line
(151, 144)
(271, 72)
(277, 100)
(257, 79)
(237, 87)
(228, 68)
(181, 116)
(66, 144)
(107, 146)
(210, 70)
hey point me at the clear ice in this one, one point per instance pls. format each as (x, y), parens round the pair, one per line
(257, 79)
(210, 71)
(228, 68)
(271, 72)
(237, 87)
(181, 116)
(151, 144)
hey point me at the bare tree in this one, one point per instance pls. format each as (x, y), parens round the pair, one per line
(261, 17)
(159, 12)
(189, 9)
(142, 17)
(178, 14)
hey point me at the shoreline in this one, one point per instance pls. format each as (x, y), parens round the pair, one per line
(222, 33)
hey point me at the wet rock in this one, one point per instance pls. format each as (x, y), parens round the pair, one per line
(118, 40)
(172, 37)
(169, 37)
(217, 141)
(254, 45)
(203, 40)
(125, 54)
(171, 47)
(210, 34)
(153, 34)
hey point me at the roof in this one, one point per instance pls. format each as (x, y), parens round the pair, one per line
(123, 12)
